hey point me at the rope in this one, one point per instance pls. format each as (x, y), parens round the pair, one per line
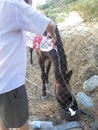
(63, 77)
(39, 87)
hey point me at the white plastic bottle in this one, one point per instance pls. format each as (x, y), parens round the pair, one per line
(85, 100)
(40, 124)
(91, 83)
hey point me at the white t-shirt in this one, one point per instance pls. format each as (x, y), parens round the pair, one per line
(16, 17)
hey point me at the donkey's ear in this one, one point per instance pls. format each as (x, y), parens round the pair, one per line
(69, 74)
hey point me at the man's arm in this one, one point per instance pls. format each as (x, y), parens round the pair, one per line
(51, 26)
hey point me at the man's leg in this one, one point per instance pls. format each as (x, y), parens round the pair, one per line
(24, 127)
(2, 127)
(14, 109)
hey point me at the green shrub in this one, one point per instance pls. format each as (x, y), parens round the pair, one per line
(86, 8)
(42, 7)
(60, 18)
(52, 16)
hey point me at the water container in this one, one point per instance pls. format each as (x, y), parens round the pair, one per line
(84, 99)
(40, 124)
(91, 83)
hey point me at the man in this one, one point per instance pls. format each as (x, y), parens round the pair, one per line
(16, 17)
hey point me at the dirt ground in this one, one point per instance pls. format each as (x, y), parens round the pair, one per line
(81, 47)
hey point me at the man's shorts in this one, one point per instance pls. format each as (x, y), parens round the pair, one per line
(14, 107)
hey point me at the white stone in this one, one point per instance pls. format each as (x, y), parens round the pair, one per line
(91, 83)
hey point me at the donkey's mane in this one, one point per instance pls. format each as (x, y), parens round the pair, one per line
(59, 58)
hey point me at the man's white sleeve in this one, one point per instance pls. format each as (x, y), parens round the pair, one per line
(30, 19)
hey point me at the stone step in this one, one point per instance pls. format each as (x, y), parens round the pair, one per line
(73, 125)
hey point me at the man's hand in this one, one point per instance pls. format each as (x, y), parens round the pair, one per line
(51, 31)
(52, 36)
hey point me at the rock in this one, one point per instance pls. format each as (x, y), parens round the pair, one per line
(91, 83)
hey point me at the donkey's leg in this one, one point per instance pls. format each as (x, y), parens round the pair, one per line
(43, 76)
(31, 53)
(47, 74)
